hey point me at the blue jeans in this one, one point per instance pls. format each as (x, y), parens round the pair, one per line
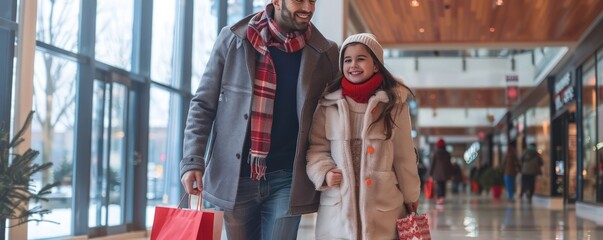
(510, 186)
(261, 209)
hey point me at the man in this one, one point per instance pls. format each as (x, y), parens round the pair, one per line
(246, 133)
(531, 163)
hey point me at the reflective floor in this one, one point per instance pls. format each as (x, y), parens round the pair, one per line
(481, 217)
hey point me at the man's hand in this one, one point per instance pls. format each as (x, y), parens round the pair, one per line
(411, 207)
(333, 178)
(190, 177)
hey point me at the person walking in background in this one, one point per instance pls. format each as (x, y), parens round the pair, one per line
(456, 177)
(251, 116)
(511, 167)
(531, 163)
(440, 169)
(361, 154)
(422, 172)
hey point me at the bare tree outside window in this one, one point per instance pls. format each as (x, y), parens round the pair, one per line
(54, 90)
(205, 28)
(114, 21)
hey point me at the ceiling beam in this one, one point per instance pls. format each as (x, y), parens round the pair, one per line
(465, 97)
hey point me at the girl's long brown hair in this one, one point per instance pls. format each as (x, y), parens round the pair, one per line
(390, 85)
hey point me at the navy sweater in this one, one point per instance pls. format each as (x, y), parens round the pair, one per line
(284, 122)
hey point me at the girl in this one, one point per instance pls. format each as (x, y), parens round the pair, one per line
(361, 155)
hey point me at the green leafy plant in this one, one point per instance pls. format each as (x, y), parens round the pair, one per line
(16, 184)
(491, 177)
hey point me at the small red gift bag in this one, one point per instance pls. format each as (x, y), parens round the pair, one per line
(413, 227)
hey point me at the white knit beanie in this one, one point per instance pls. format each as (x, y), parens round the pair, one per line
(367, 39)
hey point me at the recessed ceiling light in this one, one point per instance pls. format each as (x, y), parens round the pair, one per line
(421, 30)
(492, 29)
(499, 2)
(414, 3)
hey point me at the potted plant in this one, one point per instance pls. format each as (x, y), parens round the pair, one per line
(16, 185)
(492, 178)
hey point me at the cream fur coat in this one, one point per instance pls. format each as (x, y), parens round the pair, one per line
(388, 175)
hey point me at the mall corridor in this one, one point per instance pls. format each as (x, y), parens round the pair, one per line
(124, 100)
(467, 216)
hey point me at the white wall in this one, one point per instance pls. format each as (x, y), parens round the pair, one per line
(329, 17)
(439, 72)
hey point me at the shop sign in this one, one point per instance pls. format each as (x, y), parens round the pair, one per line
(512, 82)
(471, 153)
(564, 91)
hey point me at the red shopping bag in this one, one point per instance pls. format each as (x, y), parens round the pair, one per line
(475, 186)
(184, 224)
(413, 227)
(428, 189)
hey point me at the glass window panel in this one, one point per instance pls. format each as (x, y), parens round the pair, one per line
(538, 132)
(8, 12)
(235, 9)
(97, 207)
(589, 128)
(592, 173)
(259, 5)
(53, 135)
(163, 179)
(7, 73)
(12, 102)
(164, 30)
(114, 21)
(205, 28)
(58, 23)
(109, 120)
(599, 172)
(117, 152)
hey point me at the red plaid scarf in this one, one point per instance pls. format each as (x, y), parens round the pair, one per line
(262, 33)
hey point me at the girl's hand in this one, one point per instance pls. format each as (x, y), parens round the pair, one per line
(411, 207)
(333, 178)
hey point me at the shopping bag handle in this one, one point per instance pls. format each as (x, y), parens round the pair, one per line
(199, 206)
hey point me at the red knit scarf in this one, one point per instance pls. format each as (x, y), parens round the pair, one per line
(263, 32)
(361, 92)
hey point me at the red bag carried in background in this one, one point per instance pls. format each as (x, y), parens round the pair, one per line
(474, 186)
(428, 189)
(413, 227)
(193, 224)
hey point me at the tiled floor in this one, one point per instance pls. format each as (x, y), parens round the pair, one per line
(481, 217)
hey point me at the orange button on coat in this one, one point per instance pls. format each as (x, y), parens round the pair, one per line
(370, 150)
(369, 181)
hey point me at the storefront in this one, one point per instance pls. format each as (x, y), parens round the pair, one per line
(563, 164)
(591, 75)
(500, 140)
(577, 123)
(531, 124)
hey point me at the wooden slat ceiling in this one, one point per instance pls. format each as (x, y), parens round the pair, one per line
(396, 22)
